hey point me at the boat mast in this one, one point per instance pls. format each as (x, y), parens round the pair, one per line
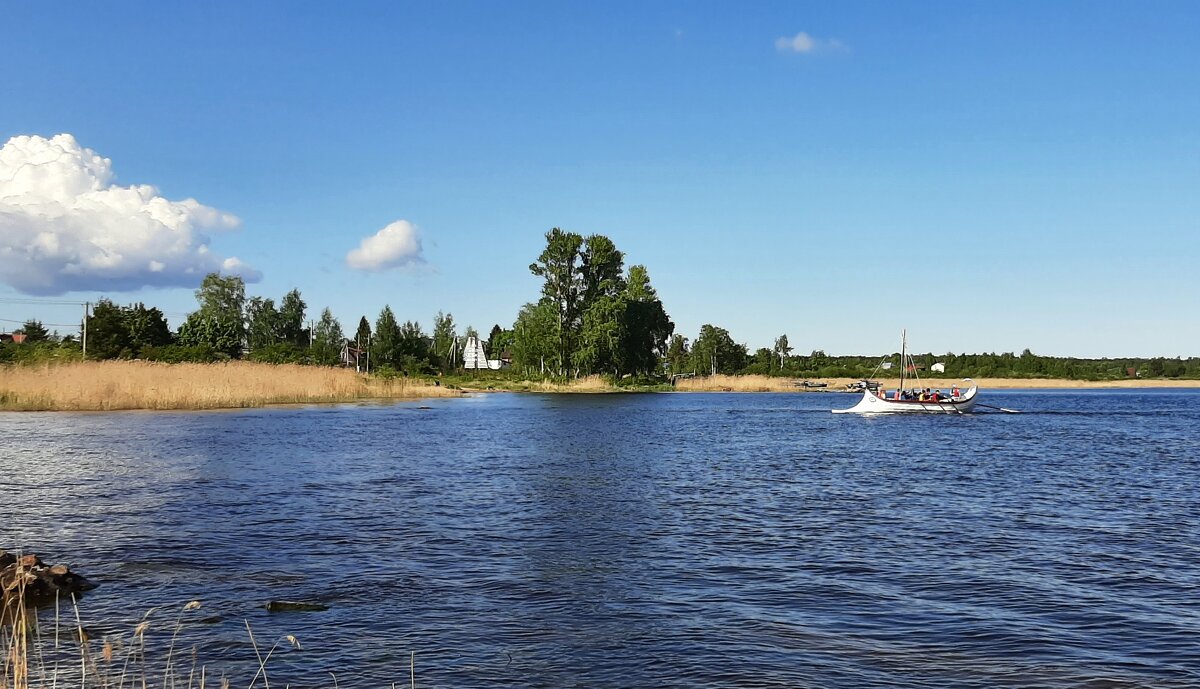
(903, 353)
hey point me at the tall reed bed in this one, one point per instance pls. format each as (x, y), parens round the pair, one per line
(147, 656)
(112, 385)
(53, 649)
(723, 383)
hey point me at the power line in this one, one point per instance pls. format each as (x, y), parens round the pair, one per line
(57, 302)
(56, 325)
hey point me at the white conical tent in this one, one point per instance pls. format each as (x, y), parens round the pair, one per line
(474, 357)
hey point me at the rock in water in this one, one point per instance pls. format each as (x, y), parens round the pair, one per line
(295, 606)
(29, 581)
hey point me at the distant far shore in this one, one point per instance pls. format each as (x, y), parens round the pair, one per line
(127, 385)
(721, 383)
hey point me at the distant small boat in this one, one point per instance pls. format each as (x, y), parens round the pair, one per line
(875, 401)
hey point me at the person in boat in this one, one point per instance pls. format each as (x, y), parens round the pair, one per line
(937, 396)
(954, 393)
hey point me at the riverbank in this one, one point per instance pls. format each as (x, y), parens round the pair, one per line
(123, 385)
(120, 385)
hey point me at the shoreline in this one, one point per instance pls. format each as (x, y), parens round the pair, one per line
(100, 386)
(149, 386)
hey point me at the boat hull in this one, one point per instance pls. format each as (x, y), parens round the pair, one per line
(871, 404)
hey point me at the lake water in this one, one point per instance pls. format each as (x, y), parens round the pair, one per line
(673, 540)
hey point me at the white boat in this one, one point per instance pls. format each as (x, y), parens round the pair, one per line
(876, 401)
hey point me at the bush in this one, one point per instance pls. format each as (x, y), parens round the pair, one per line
(180, 354)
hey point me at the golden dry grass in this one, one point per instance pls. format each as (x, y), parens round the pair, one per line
(112, 385)
(586, 384)
(722, 383)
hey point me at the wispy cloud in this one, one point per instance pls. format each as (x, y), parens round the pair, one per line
(66, 225)
(396, 245)
(805, 44)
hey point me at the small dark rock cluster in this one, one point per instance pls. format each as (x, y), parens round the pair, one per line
(29, 580)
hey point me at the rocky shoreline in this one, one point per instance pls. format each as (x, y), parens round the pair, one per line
(25, 580)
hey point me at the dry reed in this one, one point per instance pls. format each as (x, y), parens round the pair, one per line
(113, 385)
(723, 383)
(45, 659)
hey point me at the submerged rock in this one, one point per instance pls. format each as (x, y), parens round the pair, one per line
(295, 606)
(28, 581)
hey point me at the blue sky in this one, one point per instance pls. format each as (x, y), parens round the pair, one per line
(992, 177)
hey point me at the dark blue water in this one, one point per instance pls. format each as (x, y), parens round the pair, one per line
(687, 540)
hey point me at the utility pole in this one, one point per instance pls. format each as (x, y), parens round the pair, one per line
(83, 339)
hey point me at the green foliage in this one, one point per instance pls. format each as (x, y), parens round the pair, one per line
(601, 337)
(444, 337)
(222, 300)
(218, 323)
(291, 320)
(559, 266)
(782, 350)
(40, 352)
(535, 340)
(262, 323)
(280, 353)
(34, 331)
(328, 340)
(715, 352)
(413, 354)
(218, 332)
(124, 331)
(385, 347)
(678, 354)
(600, 320)
(362, 336)
(491, 344)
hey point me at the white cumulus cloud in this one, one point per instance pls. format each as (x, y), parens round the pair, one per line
(66, 225)
(804, 44)
(396, 245)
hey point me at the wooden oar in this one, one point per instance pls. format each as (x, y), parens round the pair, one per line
(1006, 411)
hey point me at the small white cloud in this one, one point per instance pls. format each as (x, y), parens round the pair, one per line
(804, 44)
(396, 245)
(65, 225)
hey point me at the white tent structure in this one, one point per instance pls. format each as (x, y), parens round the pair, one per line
(475, 358)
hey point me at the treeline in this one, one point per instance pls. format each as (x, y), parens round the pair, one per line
(715, 352)
(594, 316)
(228, 325)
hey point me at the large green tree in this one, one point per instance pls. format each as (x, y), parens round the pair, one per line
(34, 331)
(647, 325)
(218, 323)
(559, 267)
(782, 349)
(291, 320)
(678, 354)
(328, 340)
(444, 341)
(413, 350)
(714, 351)
(125, 331)
(262, 323)
(535, 339)
(385, 346)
